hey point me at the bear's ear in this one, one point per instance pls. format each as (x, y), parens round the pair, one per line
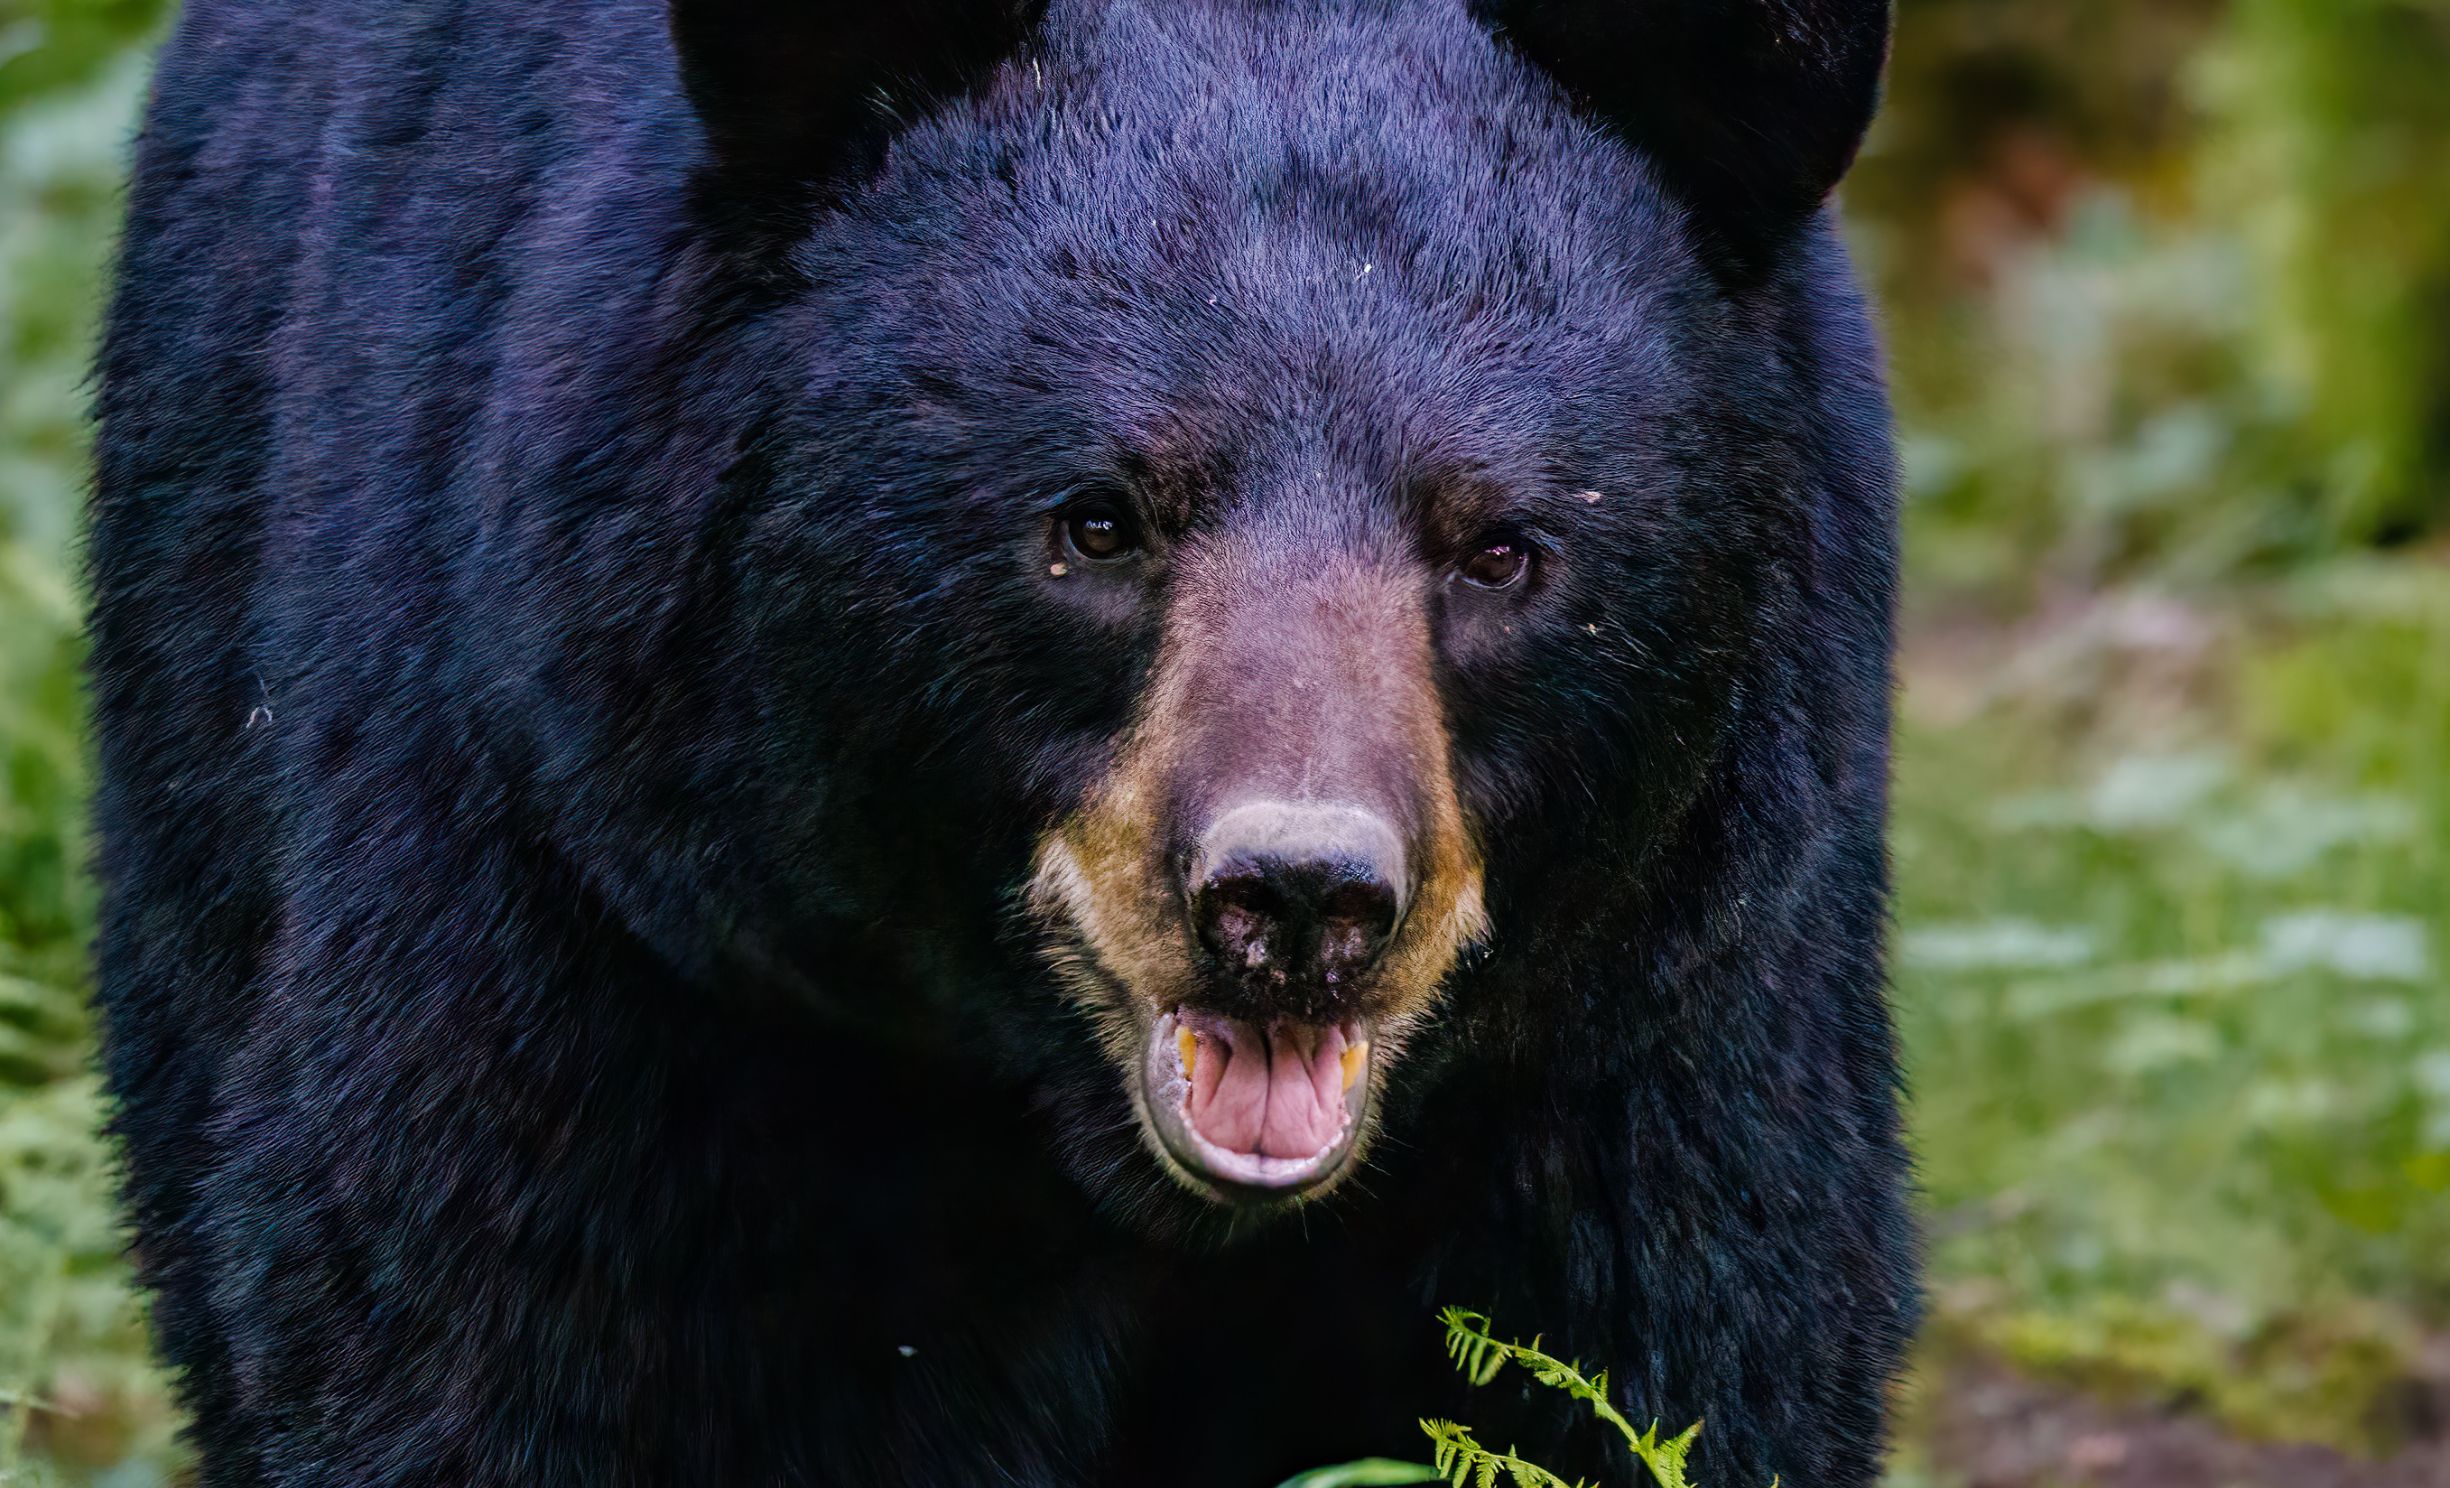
(1752, 108)
(807, 91)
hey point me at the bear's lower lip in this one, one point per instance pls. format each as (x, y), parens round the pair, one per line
(1252, 1111)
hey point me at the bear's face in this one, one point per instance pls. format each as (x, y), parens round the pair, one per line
(1283, 490)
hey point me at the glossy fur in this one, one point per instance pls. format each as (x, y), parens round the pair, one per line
(580, 687)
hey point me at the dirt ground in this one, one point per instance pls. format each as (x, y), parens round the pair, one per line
(1987, 1427)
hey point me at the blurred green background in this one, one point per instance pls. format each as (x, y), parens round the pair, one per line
(2167, 285)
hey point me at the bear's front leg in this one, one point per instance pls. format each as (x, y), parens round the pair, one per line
(497, 1200)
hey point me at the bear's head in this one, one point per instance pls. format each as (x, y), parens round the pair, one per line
(1269, 497)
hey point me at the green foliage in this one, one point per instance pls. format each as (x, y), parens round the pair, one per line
(2119, 426)
(1369, 1472)
(53, 46)
(1459, 1459)
(78, 1393)
(2169, 285)
(2176, 903)
(2330, 134)
(56, 200)
(1480, 1355)
(1462, 1461)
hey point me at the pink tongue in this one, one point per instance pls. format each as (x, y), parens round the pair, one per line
(1277, 1094)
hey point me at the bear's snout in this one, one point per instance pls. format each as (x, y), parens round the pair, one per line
(1270, 885)
(1292, 901)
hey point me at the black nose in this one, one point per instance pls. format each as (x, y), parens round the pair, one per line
(1297, 893)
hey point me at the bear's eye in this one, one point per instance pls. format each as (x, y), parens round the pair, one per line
(1500, 564)
(1099, 532)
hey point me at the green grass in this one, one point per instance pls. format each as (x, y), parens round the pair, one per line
(71, 1332)
(2175, 944)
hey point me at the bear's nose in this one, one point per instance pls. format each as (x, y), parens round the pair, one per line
(1308, 893)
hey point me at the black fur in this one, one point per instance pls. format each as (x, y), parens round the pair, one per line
(1752, 110)
(578, 689)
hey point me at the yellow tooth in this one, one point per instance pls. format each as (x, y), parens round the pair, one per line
(1189, 1047)
(1355, 1057)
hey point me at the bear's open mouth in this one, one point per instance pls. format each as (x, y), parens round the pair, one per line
(1252, 1110)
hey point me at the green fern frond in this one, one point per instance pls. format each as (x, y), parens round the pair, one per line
(1480, 1354)
(1465, 1463)
(1468, 1337)
(1666, 1459)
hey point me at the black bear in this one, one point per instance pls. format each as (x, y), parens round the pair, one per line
(956, 742)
